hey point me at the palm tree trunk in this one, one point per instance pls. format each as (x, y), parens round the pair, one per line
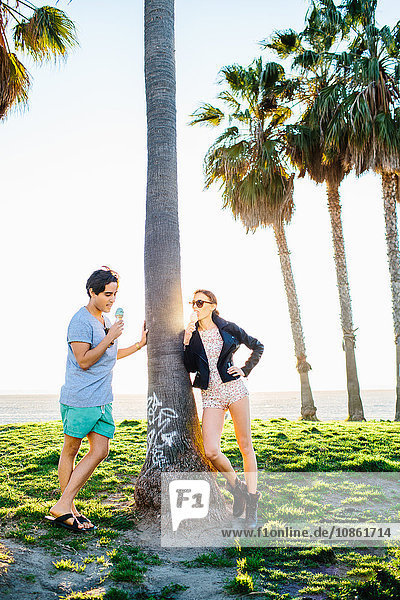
(390, 189)
(355, 407)
(308, 409)
(174, 440)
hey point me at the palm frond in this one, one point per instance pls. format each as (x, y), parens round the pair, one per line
(271, 74)
(396, 73)
(358, 45)
(243, 116)
(280, 115)
(230, 134)
(235, 76)
(359, 12)
(396, 34)
(284, 43)
(229, 99)
(207, 114)
(247, 159)
(305, 152)
(324, 25)
(48, 35)
(385, 34)
(307, 60)
(286, 89)
(14, 82)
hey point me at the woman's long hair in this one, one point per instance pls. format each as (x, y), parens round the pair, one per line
(212, 298)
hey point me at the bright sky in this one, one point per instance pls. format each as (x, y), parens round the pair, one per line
(73, 171)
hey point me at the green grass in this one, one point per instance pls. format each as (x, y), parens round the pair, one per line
(168, 592)
(116, 594)
(283, 445)
(210, 559)
(69, 565)
(130, 564)
(241, 584)
(29, 456)
(88, 595)
(29, 486)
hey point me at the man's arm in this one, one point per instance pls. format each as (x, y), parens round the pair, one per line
(86, 356)
(123, 352)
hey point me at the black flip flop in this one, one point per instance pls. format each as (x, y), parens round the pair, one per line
(60, 522)
(83, 519)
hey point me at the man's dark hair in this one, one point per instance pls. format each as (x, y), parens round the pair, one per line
(99, 279)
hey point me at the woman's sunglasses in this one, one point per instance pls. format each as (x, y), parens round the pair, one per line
(200, 303)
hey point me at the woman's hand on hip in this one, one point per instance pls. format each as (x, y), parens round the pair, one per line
(189, 332)
(235, 371)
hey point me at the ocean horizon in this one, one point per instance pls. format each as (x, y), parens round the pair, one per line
(331, 405)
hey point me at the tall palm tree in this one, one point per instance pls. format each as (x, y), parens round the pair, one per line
(174, 440)
(45, 33)
(319, 95)
(370, 115)
(246, 159)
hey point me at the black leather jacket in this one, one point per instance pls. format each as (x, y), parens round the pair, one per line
(195, 358)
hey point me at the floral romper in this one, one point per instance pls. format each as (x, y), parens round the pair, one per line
(218, 394)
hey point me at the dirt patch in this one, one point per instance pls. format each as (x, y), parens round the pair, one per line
(29, 571)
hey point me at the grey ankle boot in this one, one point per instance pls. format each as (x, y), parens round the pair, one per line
(251, 510)
(239, 493)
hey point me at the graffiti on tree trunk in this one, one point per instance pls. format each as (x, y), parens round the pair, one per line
(161, 432)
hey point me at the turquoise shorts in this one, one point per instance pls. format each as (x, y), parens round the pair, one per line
(78, 422)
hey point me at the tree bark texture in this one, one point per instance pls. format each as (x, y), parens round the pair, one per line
(355, 407)
(308, 409)
(174, 441)
(390, 189)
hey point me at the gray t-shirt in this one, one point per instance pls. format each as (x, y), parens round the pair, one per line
(93, 386)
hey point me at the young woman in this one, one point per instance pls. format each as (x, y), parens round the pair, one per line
(86, 397)
(209, 345)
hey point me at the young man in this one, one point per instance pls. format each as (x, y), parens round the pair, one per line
(86, 397)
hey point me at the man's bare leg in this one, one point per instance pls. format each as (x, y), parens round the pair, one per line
(65, 467)
(98, 451)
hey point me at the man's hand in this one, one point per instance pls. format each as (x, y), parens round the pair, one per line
(143, 340)
(115, 331)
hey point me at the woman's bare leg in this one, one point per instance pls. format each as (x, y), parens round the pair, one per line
(240, 413)
(212, 425)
